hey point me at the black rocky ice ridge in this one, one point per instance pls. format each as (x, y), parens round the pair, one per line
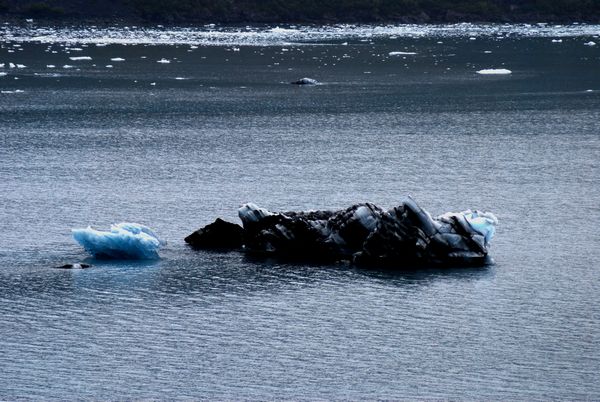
(364, 234)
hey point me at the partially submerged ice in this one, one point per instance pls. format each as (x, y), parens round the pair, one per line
(365, 234)
(123, 241)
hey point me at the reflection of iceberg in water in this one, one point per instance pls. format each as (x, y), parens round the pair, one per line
(124, 240)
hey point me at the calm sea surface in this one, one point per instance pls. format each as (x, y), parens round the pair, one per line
(175, 144)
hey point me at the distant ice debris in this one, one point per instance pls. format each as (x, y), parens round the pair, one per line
(494, 71)
(163, 61)
(68, 66)
(50, 66)
(402, 53)
(78, 58)
(556, 40)
(117, 59)
(124, 241)
(3, 74)
(305, 81)
(590, 43)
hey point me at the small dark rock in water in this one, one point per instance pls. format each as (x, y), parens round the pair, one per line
(305, 81)
(218, 235)
(74, 266)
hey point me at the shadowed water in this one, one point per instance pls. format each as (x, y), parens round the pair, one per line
(98, 145)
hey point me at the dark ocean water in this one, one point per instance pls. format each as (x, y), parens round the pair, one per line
(94, 145)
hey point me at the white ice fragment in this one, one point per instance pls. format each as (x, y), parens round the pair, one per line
(401, 53)
(487, 51)
(78, 58)
(2, 74)
(163, 61)
(50, 66)
(117, 59)
(180, 78)
(109, 66)
(590, 43)
(123, 241)
(556, 40)
(12, 65)
(68, 66)
(252, 213)
(100, 44)
(494, 71)
(21, 66)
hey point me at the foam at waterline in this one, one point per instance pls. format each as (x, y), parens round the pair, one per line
(124, 240)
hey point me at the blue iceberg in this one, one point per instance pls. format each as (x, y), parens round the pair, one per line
(124, 241)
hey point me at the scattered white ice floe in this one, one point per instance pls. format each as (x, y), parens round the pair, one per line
(80, 58)
(494, 71)
(117, 59)
(401, 53)
(163, 61)
(590, 43)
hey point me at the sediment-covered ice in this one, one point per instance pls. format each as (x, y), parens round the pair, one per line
(365, 234)
(123, 241)
(494, 71)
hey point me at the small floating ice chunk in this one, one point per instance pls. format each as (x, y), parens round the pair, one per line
(124, 241)
(117, 59)
(556, 40)
(109, 66)
(78, 58)
(305, 81)
(494, 71)
(21, 66)
(402, 53)
(163, 61)
(590, 43)
(68, 66)
(2, 74)
(50, 66)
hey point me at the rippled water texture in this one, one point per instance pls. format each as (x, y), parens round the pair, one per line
(172, 127)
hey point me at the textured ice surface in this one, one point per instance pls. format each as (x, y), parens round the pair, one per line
(124, 240)
(494, 71)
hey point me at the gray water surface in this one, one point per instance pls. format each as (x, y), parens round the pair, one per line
(94, 145)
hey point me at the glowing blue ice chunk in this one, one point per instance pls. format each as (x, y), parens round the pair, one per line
(124, 241)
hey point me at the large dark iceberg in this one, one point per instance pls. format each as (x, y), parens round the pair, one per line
(364, 234)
